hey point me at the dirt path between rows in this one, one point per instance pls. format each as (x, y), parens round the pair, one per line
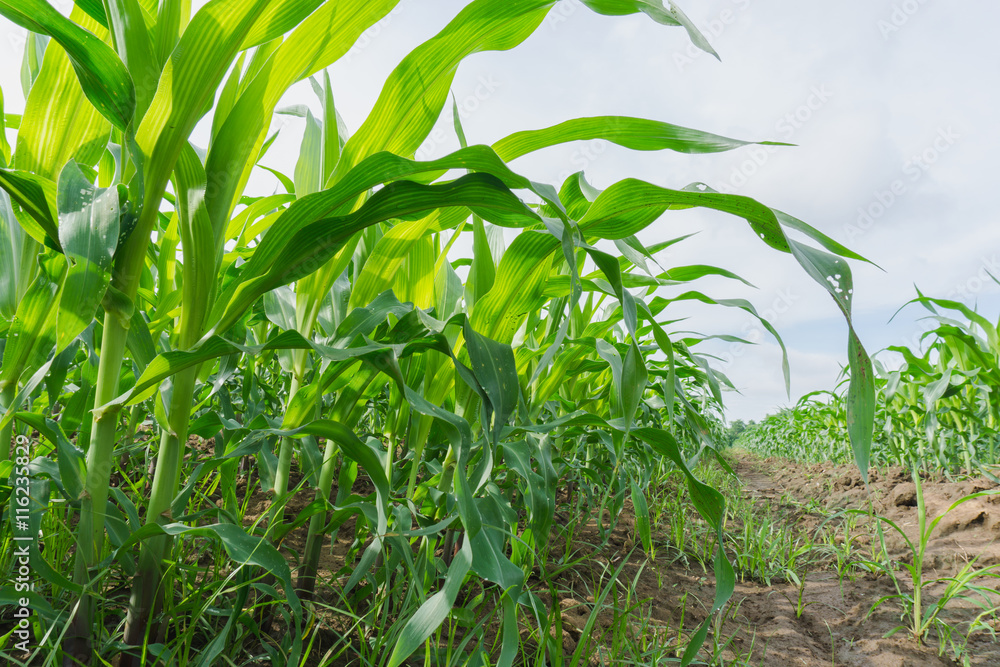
(661, 602)
(770, 624)
(835, 628)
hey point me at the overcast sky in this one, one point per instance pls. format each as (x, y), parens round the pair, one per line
(892, 105)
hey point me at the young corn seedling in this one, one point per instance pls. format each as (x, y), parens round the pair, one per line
(923, 614)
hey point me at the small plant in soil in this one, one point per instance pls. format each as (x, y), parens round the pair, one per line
(921, 613)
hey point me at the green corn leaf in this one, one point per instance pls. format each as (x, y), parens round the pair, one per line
(171, 20)
(309, 249)
(483, 271)
(415, 93)
(658, 303)
(494, 367)
(434, 610)
(94, 9)
(36, 196)
(685, 274)
(4, 144)
(390, 254)
(88, 233)
(989, 329)
(32, 335)
(279, 17)
(12, 240)
(834, 275)
(638, 134)
(11, 598)
(642, 523)
(59, 121)
(134, 46)
(169, 363)
(309, 168)
(335, 132)
(322, 38)
(201, 243)
(244, 549)
(186, 88)
(31, 64)
(541, 502)
(70, 458)
(712, 506)
(372, 172)
(361, 322)
(38, 495)
(102, 75)
(489, 559)
(655, 10)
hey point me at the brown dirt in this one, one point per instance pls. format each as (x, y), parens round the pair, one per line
(967, 531)
(761, 625)
(834, 628)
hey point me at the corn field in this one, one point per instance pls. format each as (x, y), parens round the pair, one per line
(176, 345)
(936, 409)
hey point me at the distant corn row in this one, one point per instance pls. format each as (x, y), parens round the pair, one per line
(938, 408)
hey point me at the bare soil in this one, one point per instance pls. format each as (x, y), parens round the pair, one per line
(673, 595)
(834, 627)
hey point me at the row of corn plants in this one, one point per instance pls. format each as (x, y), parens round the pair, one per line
(936, 403)
(327, 341)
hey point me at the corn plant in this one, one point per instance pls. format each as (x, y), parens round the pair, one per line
(326, 330)
(937, 409)
(921, 613)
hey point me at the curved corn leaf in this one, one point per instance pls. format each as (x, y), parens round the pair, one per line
(655, 10)
(186, 88)
(102, 75)
(638, 134)
(59, 121)
(32, 334)
(434, 610)
(11, 242)
(279, 17)
(415, 93)
(135, 47)
(306, 250)
(36, 196)
(70, 458)
(4, 144)
(244, 549)
(322, 38)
